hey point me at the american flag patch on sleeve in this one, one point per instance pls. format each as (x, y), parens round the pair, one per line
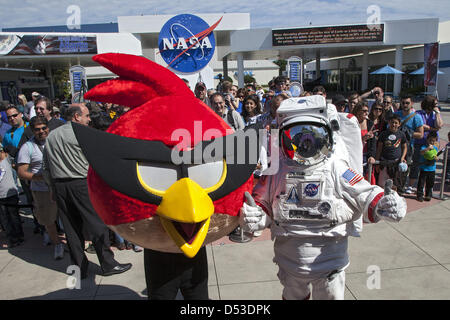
(352, 177)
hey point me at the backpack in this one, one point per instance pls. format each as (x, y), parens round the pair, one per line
(407, 131)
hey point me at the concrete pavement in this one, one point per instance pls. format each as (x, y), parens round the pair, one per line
(412, 259)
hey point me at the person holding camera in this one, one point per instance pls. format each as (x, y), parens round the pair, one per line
(231, 117)
(229, 96)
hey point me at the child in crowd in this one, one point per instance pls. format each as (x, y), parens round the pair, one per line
(392, 148)
(428, 155)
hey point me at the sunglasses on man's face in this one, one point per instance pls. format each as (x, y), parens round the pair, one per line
(41, 128)
(13, 116)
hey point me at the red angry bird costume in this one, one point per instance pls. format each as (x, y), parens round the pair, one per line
(137, 183)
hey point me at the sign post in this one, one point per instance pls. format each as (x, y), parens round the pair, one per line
(295, 74)
(78, 83)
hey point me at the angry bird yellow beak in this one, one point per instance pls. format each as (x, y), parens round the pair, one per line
(185, 213)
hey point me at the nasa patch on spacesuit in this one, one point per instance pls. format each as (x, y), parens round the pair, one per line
(311, 190)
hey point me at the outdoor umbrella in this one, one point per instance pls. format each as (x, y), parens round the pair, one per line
(386, 70)
(421, 71)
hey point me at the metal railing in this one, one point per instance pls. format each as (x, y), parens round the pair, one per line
(441, 195)
(444, 175)
(377, 162)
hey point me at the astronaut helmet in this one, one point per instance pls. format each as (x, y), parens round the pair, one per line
(306, 127)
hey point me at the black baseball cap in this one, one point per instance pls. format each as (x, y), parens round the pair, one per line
(338, 99)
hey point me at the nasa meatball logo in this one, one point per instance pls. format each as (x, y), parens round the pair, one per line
(311, 190)
(187, 43)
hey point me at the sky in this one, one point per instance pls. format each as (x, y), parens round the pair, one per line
(263, 13)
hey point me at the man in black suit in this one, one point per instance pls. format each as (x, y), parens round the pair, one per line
(65, 169)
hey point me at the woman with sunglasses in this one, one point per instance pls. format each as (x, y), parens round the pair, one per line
(361, 111)
(377, 116)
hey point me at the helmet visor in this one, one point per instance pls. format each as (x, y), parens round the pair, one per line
(306, 143)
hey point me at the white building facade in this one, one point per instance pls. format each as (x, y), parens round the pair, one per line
(340, 55)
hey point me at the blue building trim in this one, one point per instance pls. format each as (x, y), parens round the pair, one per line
(444, 64)
(112, 27)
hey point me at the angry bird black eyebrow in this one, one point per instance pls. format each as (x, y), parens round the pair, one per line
(114, 158)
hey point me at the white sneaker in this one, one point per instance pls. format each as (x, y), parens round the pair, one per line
(409, 190)
(257, 233)
(59, 251)
(46, 240)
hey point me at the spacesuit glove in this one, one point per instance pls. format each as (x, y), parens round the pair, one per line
(391, 207)
(252, 217)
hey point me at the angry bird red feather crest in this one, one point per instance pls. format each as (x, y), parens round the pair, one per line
(135, 185)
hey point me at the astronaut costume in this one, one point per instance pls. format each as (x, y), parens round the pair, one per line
(317, 199)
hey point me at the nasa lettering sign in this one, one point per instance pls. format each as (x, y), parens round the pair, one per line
(187, 43)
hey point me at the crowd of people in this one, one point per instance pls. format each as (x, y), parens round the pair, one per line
(51, 171)
(393, 134)
(399, 143)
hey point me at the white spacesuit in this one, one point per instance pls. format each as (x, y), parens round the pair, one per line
(317, 199)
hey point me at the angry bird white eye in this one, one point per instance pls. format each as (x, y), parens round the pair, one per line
(209, 175)
(157, 177)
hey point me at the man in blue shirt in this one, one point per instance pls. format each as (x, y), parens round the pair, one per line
(13, 136)
(414, 123)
